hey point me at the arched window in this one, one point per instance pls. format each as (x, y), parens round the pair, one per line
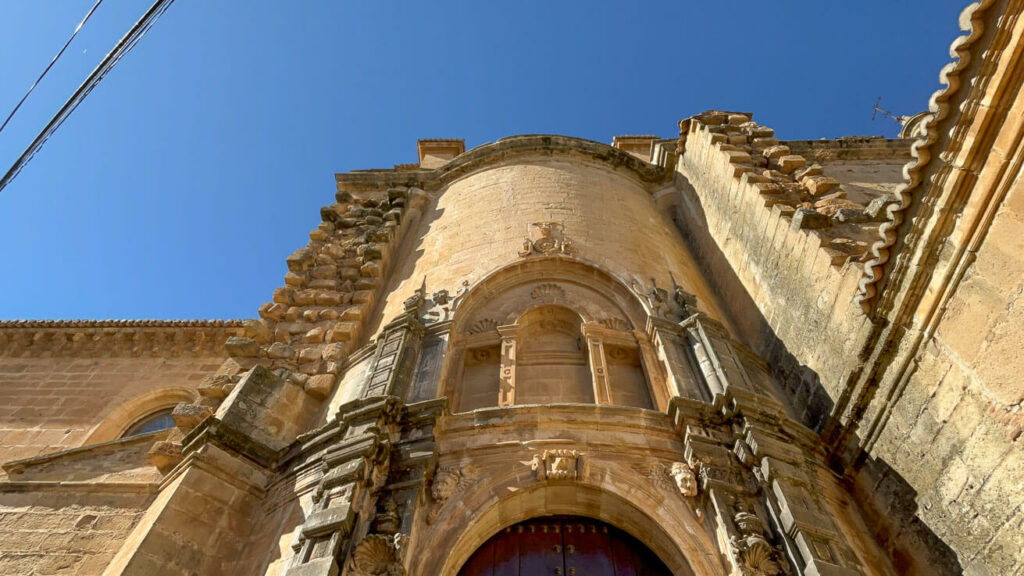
(156, 421)
(552, 358)
(551, 332)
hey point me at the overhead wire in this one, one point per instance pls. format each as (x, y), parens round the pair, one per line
(123, 46)
(50, 65)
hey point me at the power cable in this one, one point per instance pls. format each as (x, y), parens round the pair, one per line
(50, 65)
(123, 46)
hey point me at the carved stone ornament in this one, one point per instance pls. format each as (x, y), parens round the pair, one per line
(615, 324)
(379, 555)
(484, 325)
(440, 297)
(678, 477)
(560, 464)
(552, 241)
(684, 478)
(547, 291)
(754, 555)
(438, 308)
(388, 520)
(448, 481)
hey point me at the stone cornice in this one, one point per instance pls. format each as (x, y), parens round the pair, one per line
(4, 324)
(115, 338)
(496, 152)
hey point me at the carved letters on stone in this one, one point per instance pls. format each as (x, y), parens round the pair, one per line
(559, 464)
(552, 241)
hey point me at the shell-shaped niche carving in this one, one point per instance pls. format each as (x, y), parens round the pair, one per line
(484, 325)
(547, 291)
(615, 324)
(757, 556)
(374, 555)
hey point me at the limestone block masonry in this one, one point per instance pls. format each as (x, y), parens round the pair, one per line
(754, 357)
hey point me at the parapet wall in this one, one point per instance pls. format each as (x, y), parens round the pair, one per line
(783, 243)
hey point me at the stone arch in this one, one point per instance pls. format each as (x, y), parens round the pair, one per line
(665, 525)
(121, 418)
(545, 280)
(485, 325)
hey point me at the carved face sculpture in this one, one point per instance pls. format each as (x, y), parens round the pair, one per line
(685, 479)
(445, 483)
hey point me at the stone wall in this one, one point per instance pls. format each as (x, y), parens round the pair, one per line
(605, 211)
(782, 244)
(60, 381)
(72, 530)
(943, 421)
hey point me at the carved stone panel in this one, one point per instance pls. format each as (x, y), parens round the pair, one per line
(558, 464)
(551, 241)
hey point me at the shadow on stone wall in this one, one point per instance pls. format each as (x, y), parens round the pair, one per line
(887, 503)
(799, 386)
(889, 507)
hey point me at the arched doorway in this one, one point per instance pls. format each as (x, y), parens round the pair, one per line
(566, 545)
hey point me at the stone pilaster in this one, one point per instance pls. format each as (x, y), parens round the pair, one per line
(398, 349)
(354, 453)
(507, 386)
(670, 339)
(598, 365)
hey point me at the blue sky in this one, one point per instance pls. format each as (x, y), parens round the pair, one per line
(177, 189)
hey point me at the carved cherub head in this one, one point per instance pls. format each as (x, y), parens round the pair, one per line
(446, 482)
(686, 480)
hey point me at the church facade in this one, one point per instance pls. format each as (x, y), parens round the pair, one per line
(715, 354)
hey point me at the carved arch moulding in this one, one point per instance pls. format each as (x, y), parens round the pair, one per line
(495, 501)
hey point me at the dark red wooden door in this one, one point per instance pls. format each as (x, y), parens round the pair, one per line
(563, 545)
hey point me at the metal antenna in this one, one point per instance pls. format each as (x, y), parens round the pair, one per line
(886, 113)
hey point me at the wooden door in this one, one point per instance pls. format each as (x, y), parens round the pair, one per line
(563, 545)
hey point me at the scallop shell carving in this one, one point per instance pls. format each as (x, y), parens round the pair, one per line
(484, 325)
(374, 555)
(547, 291)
